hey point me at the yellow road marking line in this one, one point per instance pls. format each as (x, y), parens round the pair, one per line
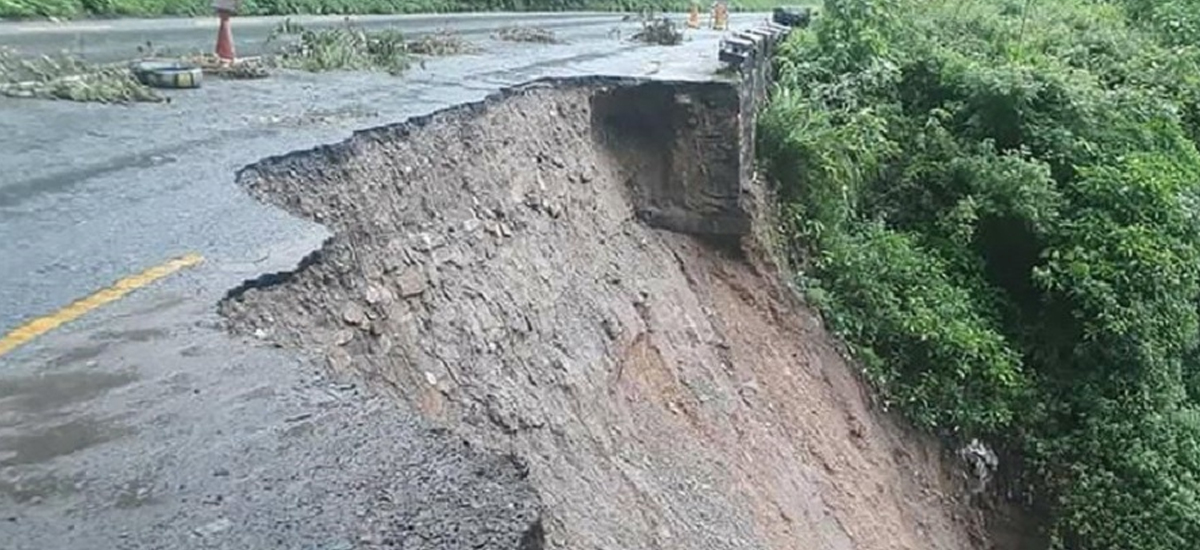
(37, 327)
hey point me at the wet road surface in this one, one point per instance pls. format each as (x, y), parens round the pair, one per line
(142, 424)
(116, 40)
(91, 193)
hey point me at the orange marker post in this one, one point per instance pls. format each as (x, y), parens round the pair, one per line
(225, 11)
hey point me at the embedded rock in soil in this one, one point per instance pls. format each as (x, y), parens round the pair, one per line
(497, 267)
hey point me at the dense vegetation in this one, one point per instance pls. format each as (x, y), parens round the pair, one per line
(996, 204)
(81, 8)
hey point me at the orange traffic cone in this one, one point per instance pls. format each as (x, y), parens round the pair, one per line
(225, 38)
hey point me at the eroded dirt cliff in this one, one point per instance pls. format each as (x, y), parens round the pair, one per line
(500, 268)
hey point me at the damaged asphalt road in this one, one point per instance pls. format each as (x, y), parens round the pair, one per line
(144, 425)
(116, 40)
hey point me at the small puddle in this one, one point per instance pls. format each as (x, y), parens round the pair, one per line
(73, 356)
(40, 445)
(134, 335)
(135, 493)
(34, 489)
(27, 395)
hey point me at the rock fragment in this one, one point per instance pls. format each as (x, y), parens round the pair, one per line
(411, 283)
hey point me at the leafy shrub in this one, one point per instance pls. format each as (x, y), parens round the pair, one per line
(70, 78)
(659, 31)
(945, 363)
(342, 47)
(34, 8)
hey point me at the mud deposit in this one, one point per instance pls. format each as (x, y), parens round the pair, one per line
(563, 273)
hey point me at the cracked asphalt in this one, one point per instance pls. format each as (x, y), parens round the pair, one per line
(143, 425)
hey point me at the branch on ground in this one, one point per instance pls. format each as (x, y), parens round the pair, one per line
(70, 78)
(659, 31)
(441, 43)
(528, 34)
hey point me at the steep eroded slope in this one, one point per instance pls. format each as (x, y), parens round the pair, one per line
(492, 267)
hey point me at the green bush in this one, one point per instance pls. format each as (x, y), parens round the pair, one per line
(35, 8)
(921, 337)
(998, 210)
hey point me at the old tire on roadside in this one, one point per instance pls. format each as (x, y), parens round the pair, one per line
(167, 74)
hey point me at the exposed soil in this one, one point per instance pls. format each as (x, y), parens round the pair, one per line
(664, 390)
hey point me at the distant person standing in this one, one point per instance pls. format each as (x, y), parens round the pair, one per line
(720, 15)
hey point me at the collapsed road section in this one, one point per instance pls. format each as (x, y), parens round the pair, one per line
(567, 273)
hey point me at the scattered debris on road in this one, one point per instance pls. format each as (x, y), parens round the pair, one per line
(351, 47)
(167, 74)
(70, 78)
(345, 47)
(661, 31)
(518, 33)
(246, 68)
(314, 117)
(441, 43)
(243, 68)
